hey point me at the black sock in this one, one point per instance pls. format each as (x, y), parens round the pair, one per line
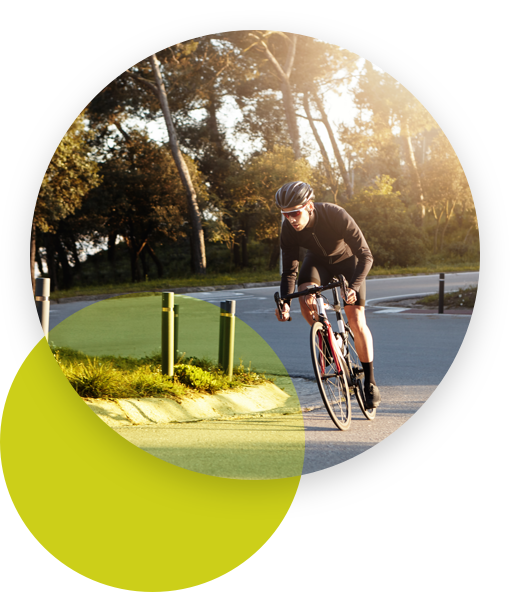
(368, 368)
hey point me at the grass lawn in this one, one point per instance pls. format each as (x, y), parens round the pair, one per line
(132, 327)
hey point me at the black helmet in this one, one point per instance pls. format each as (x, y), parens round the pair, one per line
(292, 195)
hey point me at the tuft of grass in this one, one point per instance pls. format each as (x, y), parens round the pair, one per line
(465, 298)
(114, 377)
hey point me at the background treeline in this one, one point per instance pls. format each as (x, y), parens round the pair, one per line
(244, 112)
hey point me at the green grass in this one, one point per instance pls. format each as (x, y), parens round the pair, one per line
(465, 298)
(114, 377)
(130, 328)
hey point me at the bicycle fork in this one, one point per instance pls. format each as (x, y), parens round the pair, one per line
(334, 346)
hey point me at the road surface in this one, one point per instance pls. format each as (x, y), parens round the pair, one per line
(412, 355)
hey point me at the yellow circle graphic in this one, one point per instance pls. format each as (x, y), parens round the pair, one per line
(114, 513)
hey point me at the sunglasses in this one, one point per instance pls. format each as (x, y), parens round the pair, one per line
(294, 213)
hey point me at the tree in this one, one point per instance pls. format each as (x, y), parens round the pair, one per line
(323, 69)
(158, 88)
(387, 224)
(255, 188)
(390, 123)
(141, 198)
(71, 175)
(446, 187)
(283, 70)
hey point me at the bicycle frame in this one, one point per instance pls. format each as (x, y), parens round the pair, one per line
(343, 364)
(321, 311)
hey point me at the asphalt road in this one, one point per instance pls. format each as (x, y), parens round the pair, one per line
(412, 354)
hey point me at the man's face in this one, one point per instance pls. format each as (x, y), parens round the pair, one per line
(298, 217)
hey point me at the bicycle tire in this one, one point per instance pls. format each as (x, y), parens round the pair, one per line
(333, 386)
(357, 370)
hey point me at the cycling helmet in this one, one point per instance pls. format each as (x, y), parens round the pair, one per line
(293, 195)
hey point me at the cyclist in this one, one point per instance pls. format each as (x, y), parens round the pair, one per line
(335, 245)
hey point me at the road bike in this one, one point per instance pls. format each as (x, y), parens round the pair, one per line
(336, 364)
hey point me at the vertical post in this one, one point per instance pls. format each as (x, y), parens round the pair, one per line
(441, 293)
(167, 334)
(228, 310)
(222, 334)
(42, 303)
(279, 246)
(176, 332)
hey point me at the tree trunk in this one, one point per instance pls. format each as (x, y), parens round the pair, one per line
(338, 156)
(32, 256)
(112, 238)
(290, 116)
(325, 157)
(447, 221)
(288, 100)
(67, 272)
(198, 244)
(157, 262)
(275, 253)
(50, 261)
(413, 168)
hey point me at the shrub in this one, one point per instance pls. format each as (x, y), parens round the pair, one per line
(387, 225)
(121, 377)
(196, 378)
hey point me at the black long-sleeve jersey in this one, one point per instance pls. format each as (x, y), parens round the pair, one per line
(334, 237)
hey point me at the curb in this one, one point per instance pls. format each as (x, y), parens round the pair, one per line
(260, 400)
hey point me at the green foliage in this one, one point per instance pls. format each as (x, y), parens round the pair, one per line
(254, 188)
(196, 378)
(70, 176)
(465, 297)
(387, 225)
(117, 377)
(237, 167)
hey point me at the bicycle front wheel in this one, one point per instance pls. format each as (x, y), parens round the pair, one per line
(332, 384)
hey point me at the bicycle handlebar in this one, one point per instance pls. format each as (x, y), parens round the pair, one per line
(341, 283)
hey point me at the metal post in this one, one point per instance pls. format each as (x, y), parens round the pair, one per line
(228, 310)
(441, 293)
(167, 334)
(279, 245)
(222, 334)
(176, 332)
(42, 303)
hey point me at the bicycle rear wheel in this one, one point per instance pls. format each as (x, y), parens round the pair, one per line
(332, 385)
(357, 370)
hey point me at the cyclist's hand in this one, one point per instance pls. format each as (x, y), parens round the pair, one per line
(285, 313)
(351, 296)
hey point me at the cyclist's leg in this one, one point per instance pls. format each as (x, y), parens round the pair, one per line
(365, 348)
(356, 312)
(362, 335)
(312, 272)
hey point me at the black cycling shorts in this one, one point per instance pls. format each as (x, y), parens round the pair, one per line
(315, 270)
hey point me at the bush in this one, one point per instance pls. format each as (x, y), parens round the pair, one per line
(120, 377)
(387, 225)
(196, 378)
